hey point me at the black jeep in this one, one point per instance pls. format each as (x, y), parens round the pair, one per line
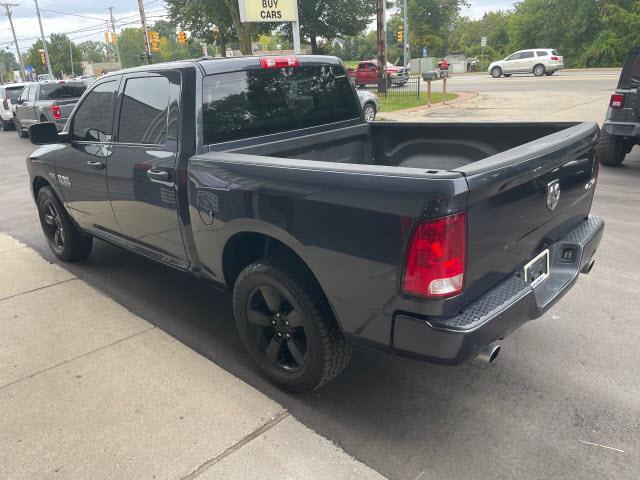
(621, 129)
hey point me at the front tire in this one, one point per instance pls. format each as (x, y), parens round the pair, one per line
(369, 112)
(287, 326)
(19, 130)
(496, 72)
(507, 75)
(63, 237)
(539, 70)
(548, 74)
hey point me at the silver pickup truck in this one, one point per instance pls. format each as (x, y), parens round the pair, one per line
(50, 101)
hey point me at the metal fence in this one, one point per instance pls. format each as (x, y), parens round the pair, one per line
(398, 88)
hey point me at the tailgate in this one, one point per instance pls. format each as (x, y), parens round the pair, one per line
(66, 106)
(525, 198)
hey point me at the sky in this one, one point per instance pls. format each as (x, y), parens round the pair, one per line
(56, 18)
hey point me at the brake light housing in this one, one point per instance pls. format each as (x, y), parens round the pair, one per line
(55, 112)
(279, 62)
(435, 260)
(554, 58)
(617, 100)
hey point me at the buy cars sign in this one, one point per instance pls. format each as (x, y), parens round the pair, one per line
(268, 11)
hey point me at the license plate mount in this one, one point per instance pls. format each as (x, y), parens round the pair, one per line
(537, 269)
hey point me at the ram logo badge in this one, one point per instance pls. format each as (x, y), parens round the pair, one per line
(553, 194)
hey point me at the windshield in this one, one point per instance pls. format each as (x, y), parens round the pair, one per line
(56, 91)
(259, 102)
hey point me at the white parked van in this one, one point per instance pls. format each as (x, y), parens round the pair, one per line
(539, 61)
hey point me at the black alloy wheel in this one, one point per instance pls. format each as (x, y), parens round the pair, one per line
(277, 328)
(52, 226)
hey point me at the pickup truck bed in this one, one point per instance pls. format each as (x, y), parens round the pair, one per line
(353, 215)
(428, 240)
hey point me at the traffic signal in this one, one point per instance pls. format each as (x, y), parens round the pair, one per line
(400, 36)
(113, 37)
(154, 41)
(182, 38)
(106, 37)
(43, 57)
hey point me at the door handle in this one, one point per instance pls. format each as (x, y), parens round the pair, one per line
(95, 164)
(158, 175)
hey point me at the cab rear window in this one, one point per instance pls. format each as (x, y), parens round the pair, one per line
(58, 91)
(251, 103)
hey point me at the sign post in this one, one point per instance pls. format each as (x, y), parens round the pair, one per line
(258, 11)
(483, 43)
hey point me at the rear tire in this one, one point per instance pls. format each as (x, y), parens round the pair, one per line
(610, 150)
(65, 240)
(539, 70)
(287, 326)
(496, 72)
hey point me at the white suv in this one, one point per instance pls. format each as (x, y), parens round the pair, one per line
(539, 61)
(9, 94)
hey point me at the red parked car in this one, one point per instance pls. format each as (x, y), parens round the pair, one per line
(367, 74)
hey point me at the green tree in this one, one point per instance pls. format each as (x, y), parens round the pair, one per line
(94, 52)
(131, 44)
(8, 65)
(59, 56)
(431, 24)
(333, 18)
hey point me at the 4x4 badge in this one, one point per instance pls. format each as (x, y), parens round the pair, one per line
(553, 194)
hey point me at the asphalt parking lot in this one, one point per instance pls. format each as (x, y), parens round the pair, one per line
(562, 401)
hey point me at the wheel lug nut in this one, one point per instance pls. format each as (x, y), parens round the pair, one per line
(273, 322)
(288, 335)
(279, 334)
(286, 323)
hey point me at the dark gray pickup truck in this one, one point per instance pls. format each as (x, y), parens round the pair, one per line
(49, 101)
(433, 241)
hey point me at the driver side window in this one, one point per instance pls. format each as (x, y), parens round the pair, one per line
(93, 121)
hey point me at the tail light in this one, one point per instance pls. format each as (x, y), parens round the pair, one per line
(617, 100)
(279, 62)
(555, 59)
(436, 258)
(55, 111)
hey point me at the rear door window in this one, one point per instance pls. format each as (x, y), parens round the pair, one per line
(13, 93)
(144, 112)
(630, 76)
(60, 91)
(542, 53)
(264, 101)
(93, 120)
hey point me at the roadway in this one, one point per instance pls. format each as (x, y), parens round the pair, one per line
(565, 80)
(563, 391)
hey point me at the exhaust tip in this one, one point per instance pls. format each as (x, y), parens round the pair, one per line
(487, 355)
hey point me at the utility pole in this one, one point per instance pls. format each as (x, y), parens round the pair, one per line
(71, 56)
(7, 8)
(143, 20)
(113, 29)
(405, 49)
(44, 41)
(382, 56)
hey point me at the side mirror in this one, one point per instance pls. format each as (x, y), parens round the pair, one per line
(43, 133)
